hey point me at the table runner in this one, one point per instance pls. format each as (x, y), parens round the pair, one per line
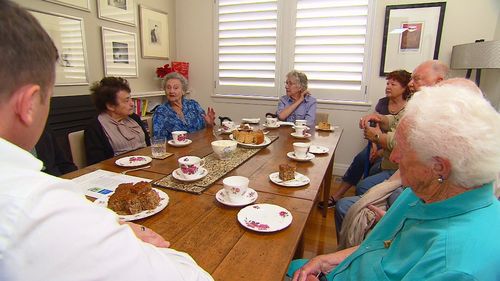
(216, 169)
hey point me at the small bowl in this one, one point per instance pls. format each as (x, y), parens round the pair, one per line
(224, 148)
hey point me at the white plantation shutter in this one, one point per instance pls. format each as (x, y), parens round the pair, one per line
(326, 39)
(247, 32)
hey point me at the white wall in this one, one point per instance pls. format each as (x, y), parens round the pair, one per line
(464, 22)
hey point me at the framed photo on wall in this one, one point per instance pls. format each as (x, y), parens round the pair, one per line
(154, 33)
(412, 34)
(68, 36)
(121, 11)
(77, 4)
(119, 53)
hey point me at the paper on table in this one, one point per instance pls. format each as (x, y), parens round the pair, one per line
(101, 183)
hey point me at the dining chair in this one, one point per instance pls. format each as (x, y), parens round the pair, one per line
(77, 147)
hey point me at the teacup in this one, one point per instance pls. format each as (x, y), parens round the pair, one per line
(179, 137)
(271, 121)
(300, 122)
(190, 166)
(228, 125)
(301, 149)
(300, 130)
(235, 187)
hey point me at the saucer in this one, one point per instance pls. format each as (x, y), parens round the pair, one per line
(249, 197)
(177, 174)
(284, 123)
(318, 149)
(187, 142)
(133, 161)
(271, 127)
(304, 136)
(309, 157)
(265, 217)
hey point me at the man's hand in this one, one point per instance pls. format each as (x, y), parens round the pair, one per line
(147, 235)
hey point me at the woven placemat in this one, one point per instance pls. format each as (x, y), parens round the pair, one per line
(216, 169)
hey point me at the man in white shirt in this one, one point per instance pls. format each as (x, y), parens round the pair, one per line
(48, 230)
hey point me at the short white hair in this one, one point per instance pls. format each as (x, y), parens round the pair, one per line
(457, 124)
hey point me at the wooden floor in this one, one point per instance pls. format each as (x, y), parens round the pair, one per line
(319, 234)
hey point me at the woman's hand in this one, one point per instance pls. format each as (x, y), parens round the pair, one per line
(379, 213)
(210, 117)
(147, 235)
(371, 133)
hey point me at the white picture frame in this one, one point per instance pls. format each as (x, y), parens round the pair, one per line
(154, 33)
(121, 11)
(119, 53)
(77, 4)
(68, 35)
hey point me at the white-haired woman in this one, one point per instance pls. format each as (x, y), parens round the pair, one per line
(445, 225)
(179, 113)
(297, 104)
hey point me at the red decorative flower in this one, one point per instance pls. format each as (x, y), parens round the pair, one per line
(164, 70)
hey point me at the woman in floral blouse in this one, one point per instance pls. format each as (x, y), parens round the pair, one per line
(179, 113)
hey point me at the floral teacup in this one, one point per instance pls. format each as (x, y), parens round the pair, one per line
(190, 166)
(179, 137)
(235, 187)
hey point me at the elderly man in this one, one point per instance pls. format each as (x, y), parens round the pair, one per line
(48, 230)
(426, 74)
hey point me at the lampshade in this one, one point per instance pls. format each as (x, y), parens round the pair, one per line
(477, 55)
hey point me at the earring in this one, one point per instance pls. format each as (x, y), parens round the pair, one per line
(440, 179)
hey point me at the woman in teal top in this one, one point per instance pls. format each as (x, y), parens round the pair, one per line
(445, 226)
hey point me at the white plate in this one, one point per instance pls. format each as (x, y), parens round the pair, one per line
(187, 142)
(133, 161)
(271, 127)
(144, 214)
(251, 120)
(284, 123)
(327, 130)
(304, 136)
(318, 149)
(248, 145)
(299, 180)
(249, 197)
(265, 217)
(309, 157)
(177, 174)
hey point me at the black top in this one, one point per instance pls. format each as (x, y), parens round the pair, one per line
(54, 160)
(97, 146)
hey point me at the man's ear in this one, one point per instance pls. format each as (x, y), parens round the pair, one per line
(26, 98)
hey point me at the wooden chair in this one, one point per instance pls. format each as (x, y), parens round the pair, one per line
(77, 146)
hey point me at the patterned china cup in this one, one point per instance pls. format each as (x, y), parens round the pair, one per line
(300, 130)
(300, 149)
(190, 166)
(300, 122)
(235, 188)
(179, 137)
(228, 125)
(271, 122)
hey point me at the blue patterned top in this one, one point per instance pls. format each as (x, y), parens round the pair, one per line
(165, 119)
(305, 111)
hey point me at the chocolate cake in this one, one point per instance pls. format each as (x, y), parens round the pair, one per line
(130, 198)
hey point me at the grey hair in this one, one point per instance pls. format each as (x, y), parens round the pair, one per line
(301, 77)
(178, 76)
(457, 124)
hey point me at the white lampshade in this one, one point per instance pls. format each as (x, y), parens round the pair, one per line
(478, 55)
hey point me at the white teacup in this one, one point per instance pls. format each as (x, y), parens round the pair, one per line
(224, 148)
(190, 166)
(236, 187)
(228, 125)
(179, 137)
(300, 130)
(300, 149)
(300, 122)
(271, 121)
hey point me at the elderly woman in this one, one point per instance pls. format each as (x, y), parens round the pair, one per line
(116, 129)
(179, 113)
(445, 225)
(297, 104)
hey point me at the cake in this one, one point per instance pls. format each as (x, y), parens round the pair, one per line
(287, 172)
(324, 126)
(244, 127)
(129, 198)
(249, 137)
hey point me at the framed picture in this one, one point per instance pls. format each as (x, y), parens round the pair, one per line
(154, 33)
(68, 36)
(412, 34)
(77, 4)
(120, 53)
(121, 11)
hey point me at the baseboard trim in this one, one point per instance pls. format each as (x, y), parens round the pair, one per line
(339, 169)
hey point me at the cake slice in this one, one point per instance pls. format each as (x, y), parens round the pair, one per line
(287, 172)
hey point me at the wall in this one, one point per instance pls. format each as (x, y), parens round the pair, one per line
(464, 22)
(489, 78)
(146, 81)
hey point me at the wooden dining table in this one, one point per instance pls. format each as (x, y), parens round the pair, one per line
(210, 232)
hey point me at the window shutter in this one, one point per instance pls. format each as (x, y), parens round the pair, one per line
(330, 46)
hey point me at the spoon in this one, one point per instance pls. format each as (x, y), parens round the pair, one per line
(136, 169)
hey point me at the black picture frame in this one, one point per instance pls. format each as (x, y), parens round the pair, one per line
(408, 45)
